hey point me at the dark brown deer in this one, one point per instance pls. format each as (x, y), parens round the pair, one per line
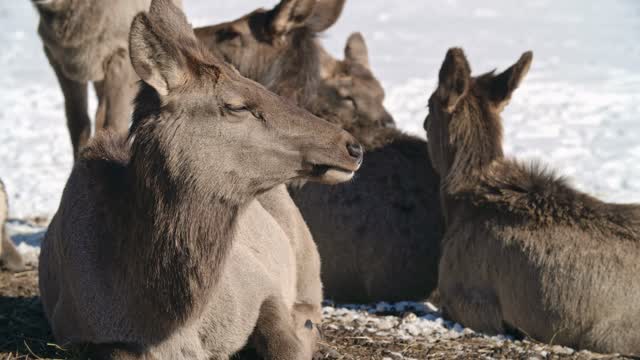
(86, 41)
(10, 258)
(378, 235)
(160, 248)
(524, 251)
(351, 94)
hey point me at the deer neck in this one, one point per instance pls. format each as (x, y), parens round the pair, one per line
(468, 159)
(179, 238)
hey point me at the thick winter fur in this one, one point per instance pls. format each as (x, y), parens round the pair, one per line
(523, 250)
(160, 248)
(10, 258)
(378, 235)
(87, 41)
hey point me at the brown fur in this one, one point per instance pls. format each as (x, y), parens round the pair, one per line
(10, 258)
(351, 96)
(378, 235)
(86, 41)
(159, 248)
(523, 250)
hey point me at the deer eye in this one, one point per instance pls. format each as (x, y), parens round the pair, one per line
(240, 110)
(236, 107)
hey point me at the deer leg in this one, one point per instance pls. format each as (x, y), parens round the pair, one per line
(275, 335)
(10, 258)
(475, 307)
(117, 94)
(75, 106)
(307, 319)
(98, 86)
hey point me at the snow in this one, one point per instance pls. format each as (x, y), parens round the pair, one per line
(578, 110)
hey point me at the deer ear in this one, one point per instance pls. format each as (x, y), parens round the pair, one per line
(504, 84)
(325, 14)
(156, 61)
(49, 5)
(291, 14)
(169, 20)
(454, 79)
(356, 50)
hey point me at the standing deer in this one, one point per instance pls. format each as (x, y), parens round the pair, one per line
(86, 40)
(10, 258)
(523, 250)
(160, 248)
(378, 235)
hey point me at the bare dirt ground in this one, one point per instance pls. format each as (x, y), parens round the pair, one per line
(24, 334)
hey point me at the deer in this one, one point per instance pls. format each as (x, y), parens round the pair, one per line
(160, 247)
(10, 258)
(379, 234)
(524, 252)
(86, 41)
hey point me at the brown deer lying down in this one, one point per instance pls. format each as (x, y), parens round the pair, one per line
(86, 40)
(10, 258)
(351, 95)
(159, 248)
(523, 250)
(379, 235)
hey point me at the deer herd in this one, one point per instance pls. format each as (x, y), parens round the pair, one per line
(226, 192)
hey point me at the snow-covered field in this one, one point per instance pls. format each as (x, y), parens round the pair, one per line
(578, 110)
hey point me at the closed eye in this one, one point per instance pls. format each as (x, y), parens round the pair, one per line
(236, 108)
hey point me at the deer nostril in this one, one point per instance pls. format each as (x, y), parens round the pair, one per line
(355, 150)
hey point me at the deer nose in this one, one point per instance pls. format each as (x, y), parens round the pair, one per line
(355, 151)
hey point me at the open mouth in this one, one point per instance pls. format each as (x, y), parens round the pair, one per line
(330, 174)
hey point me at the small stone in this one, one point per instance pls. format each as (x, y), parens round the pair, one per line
(409, 317)
(385, 324)
(558, 349)
(393, 355)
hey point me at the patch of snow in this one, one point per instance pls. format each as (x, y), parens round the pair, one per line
(27, 239)
(402, 320)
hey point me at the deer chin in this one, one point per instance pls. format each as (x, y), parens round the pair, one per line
(330, 175)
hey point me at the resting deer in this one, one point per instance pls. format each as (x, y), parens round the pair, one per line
(378, 235)
(351, 95)
(160, 248)
(523, 250)
(86, 41)
(10, 258)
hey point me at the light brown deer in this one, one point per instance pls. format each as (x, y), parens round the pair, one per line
(379, 234)
(160, 248)
(86, 41)
(523, 250)
(10, 258)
